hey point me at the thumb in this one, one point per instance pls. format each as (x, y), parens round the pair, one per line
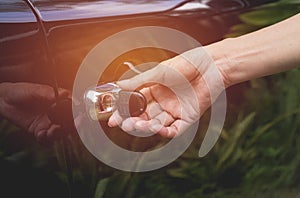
(146, 78)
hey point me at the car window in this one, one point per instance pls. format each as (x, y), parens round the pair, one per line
(81, 9)
(15, 11)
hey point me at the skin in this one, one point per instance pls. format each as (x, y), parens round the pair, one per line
(26, 105)
(268, 51)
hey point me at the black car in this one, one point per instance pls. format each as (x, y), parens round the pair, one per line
(46, 41)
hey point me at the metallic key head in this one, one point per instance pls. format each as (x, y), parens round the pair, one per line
(103, 100)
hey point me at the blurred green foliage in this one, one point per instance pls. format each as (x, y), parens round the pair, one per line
(257, 154)
(264, 16)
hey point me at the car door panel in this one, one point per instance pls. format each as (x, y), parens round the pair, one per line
(72, 38)
(22, 56)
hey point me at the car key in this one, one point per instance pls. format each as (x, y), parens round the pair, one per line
(103, 100)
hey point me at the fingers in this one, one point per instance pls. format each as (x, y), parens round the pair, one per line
(52, 133)
(35, 93)
(45, 91)
(38, 92)
(175, 129)
(153, 120)
(127, 124)
(44, 130)
(168, 127)
(163, 119)
(115, 119)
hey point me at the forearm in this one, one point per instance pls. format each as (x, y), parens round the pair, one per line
(267, 51)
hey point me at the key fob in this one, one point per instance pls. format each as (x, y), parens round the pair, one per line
(131, 104)
(103, 100)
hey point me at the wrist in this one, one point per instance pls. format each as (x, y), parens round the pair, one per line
(221, 55)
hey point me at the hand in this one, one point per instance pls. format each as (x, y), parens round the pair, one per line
(26, 105)
(177, 94)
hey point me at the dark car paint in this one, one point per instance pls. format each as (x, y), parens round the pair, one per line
(24, 52)
(20, 44)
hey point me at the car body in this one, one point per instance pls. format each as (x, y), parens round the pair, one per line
(46, 41)
(43, 41)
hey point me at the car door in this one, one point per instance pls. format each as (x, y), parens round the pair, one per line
(22, 57)
(74, 28)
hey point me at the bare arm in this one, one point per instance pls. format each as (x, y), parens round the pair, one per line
(267, 51)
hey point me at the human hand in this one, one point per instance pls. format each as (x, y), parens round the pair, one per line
(178, 92)
(26, 105)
